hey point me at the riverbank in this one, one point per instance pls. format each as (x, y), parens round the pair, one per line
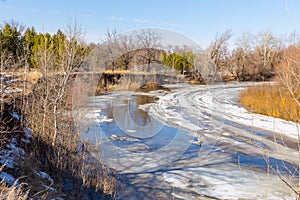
(131, 80)
(31, 166)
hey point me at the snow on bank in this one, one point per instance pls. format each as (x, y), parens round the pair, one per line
(44, 175)
(224, 104)
(8, 178)
(7, 156)
(235, 184)
(215, 102)
(7, 159)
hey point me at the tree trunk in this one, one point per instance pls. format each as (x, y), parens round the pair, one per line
(54, 124)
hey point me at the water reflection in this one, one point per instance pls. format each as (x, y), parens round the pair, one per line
(140, 117)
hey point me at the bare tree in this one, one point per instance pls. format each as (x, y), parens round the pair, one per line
(292, 39)
(289, 72)
(111, 46)
(70, 58)
(219, 47)
(267, 47)
(242, 57)
(218, 51)
(126, 48)
(149, 41)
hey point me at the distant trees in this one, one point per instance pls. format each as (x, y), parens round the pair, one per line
(219, 49)
(149, 41)
(11, 45)
(125, 51)
(111, 47)
(121, 51)
(11, 38)
(18, 46)
(126, 47)
(267, 50)
(252, 58)
(241, 60)
(180, 61)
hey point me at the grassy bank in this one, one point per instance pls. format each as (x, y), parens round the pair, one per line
(271, 100)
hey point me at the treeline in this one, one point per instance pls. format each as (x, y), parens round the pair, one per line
(21, 47)
(253, 56)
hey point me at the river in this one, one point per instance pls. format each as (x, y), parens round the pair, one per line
(192, 142)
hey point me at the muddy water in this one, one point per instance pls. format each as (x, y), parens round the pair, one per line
(165, 150)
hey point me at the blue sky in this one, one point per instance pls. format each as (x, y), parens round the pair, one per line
(197, 19)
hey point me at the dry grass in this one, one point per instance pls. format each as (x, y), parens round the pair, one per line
(132, 72)
(272, 101)
(34, 76)
(126, 86)
(151, 85)
(12, 192)
(116, 72)
(194, 82)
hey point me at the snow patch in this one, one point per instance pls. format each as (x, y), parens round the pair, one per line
(175, 180)
(7, 178)
(44, 175)
(49, 188)
(13, 147)
(27, 132)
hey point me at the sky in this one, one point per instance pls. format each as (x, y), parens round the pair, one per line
(199, 20)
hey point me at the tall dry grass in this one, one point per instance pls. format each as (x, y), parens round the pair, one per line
(13, 192)
(271, 100)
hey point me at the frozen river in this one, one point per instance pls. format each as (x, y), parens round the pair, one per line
(192, 142)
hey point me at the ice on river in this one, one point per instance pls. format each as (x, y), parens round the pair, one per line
(219, 150)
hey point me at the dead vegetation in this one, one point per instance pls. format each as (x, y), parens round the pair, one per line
(12, 192)
(271, 100)
(283, 99)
